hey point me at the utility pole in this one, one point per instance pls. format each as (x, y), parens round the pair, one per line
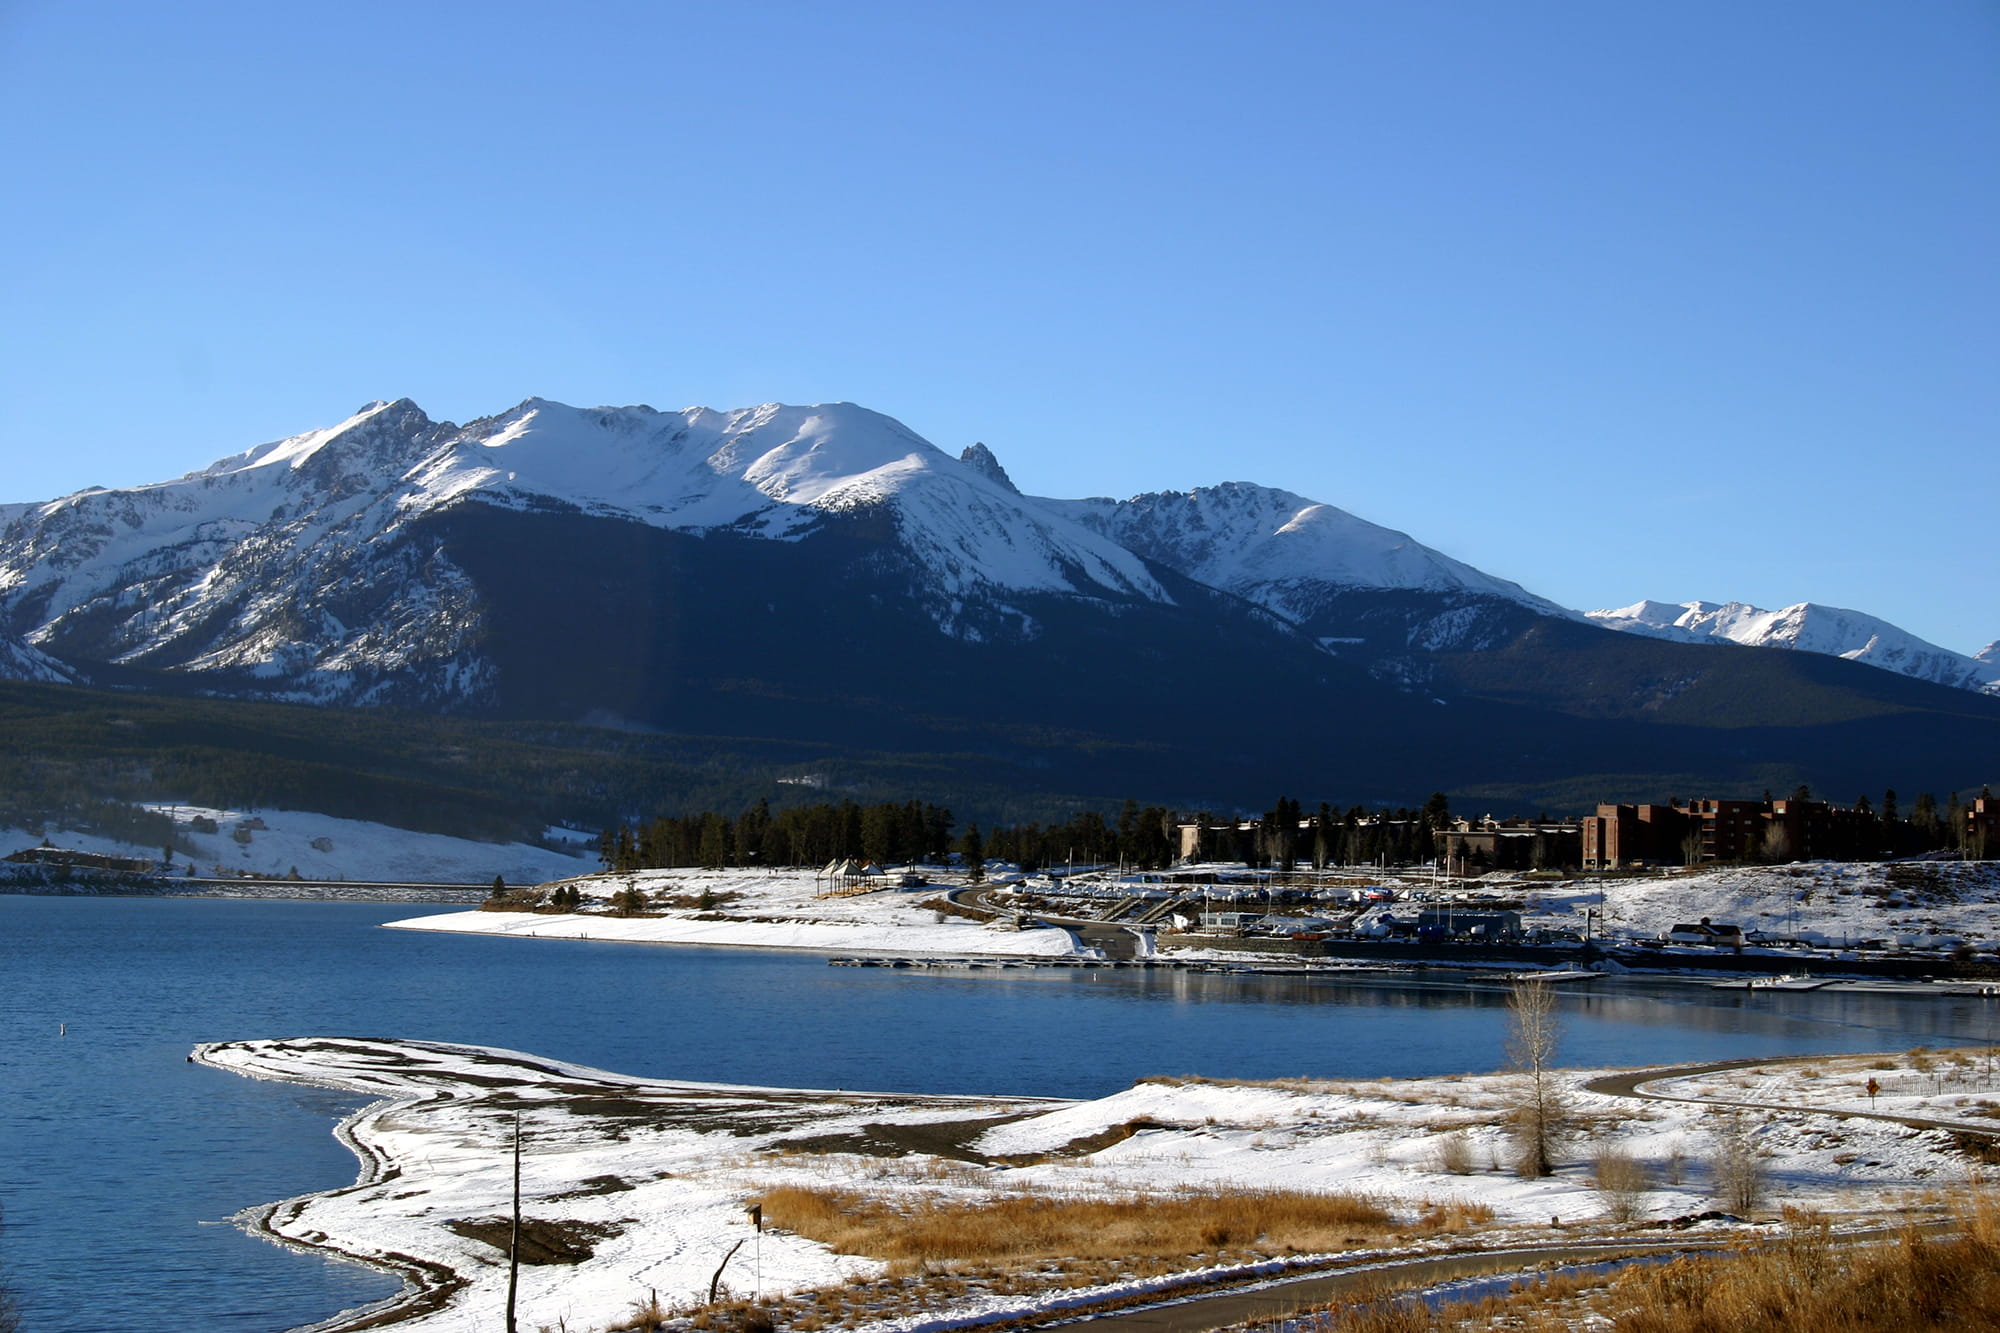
(514, 1233)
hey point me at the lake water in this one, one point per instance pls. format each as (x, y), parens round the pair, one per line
(120, 1163)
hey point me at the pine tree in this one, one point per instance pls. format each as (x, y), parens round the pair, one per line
(972, 851)
(753, 834)
(714, 851)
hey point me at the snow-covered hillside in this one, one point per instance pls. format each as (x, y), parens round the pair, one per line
(21, 660)
(322, 847)
(1808, 627)
(1279, 549)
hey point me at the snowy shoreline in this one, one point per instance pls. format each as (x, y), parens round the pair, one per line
(827, 937)
(636, 1189)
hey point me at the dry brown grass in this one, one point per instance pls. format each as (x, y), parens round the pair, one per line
(1804, 1281)
(1621, 1181)
(1295, 1083)
(1533, 1305)
(1452, 1153)
(1807, 1282)
(1030, 1246)
(1029, 1228)
(1736, 1163)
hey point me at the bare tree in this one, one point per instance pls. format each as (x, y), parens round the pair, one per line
(1621, 1182)
(1692, 847)
(1737, 1164)
(1541, 1114)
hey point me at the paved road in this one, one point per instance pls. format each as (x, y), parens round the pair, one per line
(1282, 1297)
(1289, 1296)
(1632, 1084)
(1115, 941)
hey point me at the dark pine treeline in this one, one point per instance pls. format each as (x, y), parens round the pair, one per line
(1887, 831)
(1287, 835)
(891, 833)
(1143, 837)
(810, 835)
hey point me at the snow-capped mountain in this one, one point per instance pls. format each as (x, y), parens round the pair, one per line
(1306, 561)
(1276, 548)
(302, 563)
(1808, 627)
(278, 564)
(395, 559)
(799, 582)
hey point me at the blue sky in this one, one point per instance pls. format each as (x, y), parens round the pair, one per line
(1614, 299)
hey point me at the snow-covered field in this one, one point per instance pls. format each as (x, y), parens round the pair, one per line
(1903, 904)
(1913, 904)
(771, 909)
(1917, 905)
(324, 847)
(638, 1190)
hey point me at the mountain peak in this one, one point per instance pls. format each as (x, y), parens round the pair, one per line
(1269, 544)
(981, 460)
(1808, 627)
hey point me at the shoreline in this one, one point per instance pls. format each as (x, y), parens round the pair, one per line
(430, 1092)
(638, 1186)
(826, 938)
(1058, 947)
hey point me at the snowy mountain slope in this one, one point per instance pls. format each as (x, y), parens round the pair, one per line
(1363, 590)
(21, 660)
(395, 559)
(1806, 627)
(777, 472)
(278, 563)
(1262, 543)
(303, 569)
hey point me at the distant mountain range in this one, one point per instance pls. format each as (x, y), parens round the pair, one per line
(823, 573)
(1811, 628)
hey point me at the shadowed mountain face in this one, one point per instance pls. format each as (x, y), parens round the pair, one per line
(823, 576)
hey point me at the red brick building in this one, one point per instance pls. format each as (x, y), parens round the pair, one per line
(1622, 835)
(1716, 830)
(1982, 828)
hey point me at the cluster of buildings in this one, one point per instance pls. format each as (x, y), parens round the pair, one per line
(1712, 830)
(1681, 833)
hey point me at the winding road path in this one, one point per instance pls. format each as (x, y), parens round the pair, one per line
(1276, 1298)
(1633, 1084)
